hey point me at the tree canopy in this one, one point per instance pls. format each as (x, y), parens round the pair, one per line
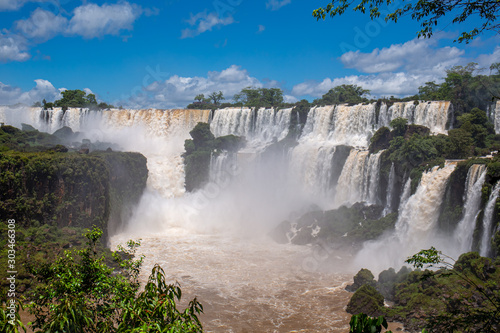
(345, 93)
(428, 12)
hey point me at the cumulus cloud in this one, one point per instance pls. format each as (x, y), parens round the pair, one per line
(12, 48)
(43, 90)
(397, 70)
(204, 22)
(178, 91)
(41, 25)
(277, 4)
(91, 20)
(412, 55)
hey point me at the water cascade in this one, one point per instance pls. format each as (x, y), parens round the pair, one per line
(359, 178)
(472, 200)
(416, 224)
(260, 127)
(434, 115)
(493, 112)
(390, 188)
(488, 220)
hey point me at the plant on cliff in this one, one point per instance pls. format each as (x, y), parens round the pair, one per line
(345, 93)
(80, 293)
(472, 295)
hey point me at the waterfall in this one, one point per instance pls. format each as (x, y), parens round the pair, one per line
(359, 178)
(219, 165)
(312, 166)
(260, 127)
(494, 115)
(157, 134)
(472, 200)
(433, 115)
(488, 221)
(390, 188)
(416, 224)
(418, 216)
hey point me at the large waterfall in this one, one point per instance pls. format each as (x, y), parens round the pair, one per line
(204, 238)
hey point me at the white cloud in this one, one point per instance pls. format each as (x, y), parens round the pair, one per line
(204, 22)
(43, 90)
(11, 4)
(42, 25)
(179, 91)
(485, 60)
(261, 29)
(92, 20)
(397, 70)
(412, 55)
(12, 48)
(277, 4)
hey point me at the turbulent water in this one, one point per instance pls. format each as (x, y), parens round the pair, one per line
(214, 241)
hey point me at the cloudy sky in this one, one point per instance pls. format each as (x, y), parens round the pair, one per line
(163, 53)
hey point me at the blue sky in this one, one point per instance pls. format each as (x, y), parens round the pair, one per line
(162, 53)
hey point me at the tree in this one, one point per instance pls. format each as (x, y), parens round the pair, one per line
(215, 97)
(200, 98)
(80, 293)
(345, 93)
(477, 307)
(428, 12)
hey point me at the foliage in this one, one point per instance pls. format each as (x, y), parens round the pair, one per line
(427, 12)
(366, 300)
(399, 125)
(76, 98)
(345, 93)
(199, 151)
(216, 97)
(80, 293)
(464, 88)
(260, 97)
(362, 323)
(473, 283)
(364, 276)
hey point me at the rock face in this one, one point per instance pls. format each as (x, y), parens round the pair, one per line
(70, 189)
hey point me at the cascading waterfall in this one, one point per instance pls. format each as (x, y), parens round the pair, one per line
(415, 226)
(390, 188)
(420, 213)
(219, 164)
(488, 220)
(158, 134)
(493, 112)
(472, 199)
(433, 115)
(260, 127)
(359, 178)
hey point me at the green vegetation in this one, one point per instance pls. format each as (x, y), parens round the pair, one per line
(51, 191)
(345, 93)
(199, 151)
(79, 292)
(363, 324)
(428, 13)
(464, 88)
(461, 296)
(346, 226)
(75, 99)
